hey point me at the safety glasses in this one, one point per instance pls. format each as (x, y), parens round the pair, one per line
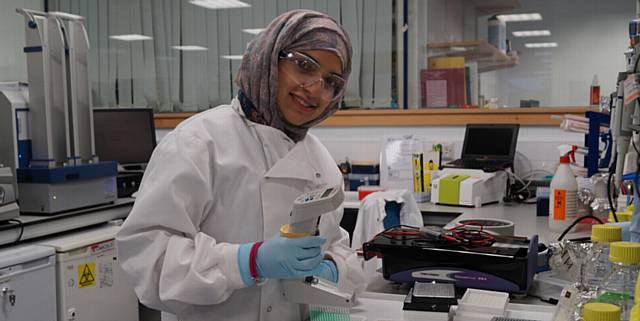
(306, 72)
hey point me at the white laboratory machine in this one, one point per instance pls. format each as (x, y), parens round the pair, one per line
(468, 187)
(46, 127)
(91, 285)
(27, 283)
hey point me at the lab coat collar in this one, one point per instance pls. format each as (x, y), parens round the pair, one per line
(297, 164)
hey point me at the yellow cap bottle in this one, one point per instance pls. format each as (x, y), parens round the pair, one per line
(625, 253)
(622, 216)
(637, 294)
(601, 312)
(606, 233)
(635, 313)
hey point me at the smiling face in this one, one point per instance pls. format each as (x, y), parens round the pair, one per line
(301, 102)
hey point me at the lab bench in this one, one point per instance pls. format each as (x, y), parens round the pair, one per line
(523, 216)
(382, 300)
(34, 226)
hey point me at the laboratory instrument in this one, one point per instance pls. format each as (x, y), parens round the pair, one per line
(324, 298)
(618, 286)
(50, 144)
(308, 208)
(431, 296)
(467, 257)
(468, 187)
(91, 285)
(8, 206)
(563, 198)
(625, 123)
(27, 283)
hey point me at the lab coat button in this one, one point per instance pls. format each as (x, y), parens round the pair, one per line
(269, 309)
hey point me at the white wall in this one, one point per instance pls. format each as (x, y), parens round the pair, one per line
(13, 65)
(536, 144)
(592, 36)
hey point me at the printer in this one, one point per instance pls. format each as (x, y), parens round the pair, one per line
(468, 187)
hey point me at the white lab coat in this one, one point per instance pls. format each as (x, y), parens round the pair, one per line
(217, 181)
(370, 222)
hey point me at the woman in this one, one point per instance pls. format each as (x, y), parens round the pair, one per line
(225, 180)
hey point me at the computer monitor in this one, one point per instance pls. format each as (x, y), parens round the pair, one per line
(124, 135)
(492, 141)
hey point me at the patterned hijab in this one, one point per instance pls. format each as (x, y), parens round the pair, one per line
(296, 30)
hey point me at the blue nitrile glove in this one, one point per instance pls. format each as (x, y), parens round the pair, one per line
(243, 263)
(289, 258)
(327, 270)
(283, 258)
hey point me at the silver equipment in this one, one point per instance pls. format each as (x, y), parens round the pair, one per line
(8, 206)
(50, 123)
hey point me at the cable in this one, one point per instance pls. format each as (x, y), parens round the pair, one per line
(471, 237)
(578, 220)
(21, 225)
(611, 171)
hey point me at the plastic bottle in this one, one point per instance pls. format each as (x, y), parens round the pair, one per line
(601, 312)
(596, 265)
(563, 199)
(635, 312)
(618, 286)
(594, 92)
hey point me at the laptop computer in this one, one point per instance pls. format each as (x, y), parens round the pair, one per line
(490, 147)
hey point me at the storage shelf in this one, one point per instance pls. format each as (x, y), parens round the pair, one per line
(488, 57)
(488, 7)
(539, 116)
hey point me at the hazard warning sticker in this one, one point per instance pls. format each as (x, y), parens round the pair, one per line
(86, 275)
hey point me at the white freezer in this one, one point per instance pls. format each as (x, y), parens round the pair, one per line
(27, 283)
(91, 285)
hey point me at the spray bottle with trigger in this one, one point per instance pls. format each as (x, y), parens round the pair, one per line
(563, 200)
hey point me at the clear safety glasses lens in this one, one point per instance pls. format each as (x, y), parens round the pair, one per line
(307, 73)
